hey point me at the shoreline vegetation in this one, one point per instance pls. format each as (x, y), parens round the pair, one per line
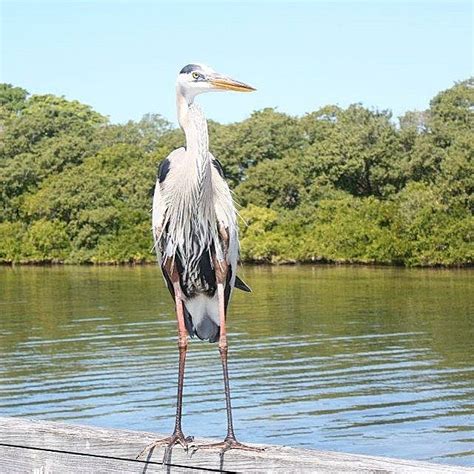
(335, 186)
(374, 265)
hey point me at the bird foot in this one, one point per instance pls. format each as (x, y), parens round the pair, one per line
(229, 443)
(176, 438)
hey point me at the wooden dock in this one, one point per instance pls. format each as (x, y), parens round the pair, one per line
(32, 446)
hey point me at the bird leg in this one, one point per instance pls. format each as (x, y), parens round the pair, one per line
(230, 441)
(177, 437)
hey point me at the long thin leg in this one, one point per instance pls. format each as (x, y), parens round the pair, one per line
(177, 436)
(182, 347)
(223, 350)
(230, 441)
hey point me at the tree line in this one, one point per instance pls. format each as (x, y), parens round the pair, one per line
(335, 185)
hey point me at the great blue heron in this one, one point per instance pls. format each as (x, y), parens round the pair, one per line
(195, 234)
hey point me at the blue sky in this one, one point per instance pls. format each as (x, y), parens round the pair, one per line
(122, 57)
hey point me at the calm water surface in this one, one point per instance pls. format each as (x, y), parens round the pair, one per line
(362, 360)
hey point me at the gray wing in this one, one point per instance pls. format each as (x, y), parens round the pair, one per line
(159, 197)
(227, 218)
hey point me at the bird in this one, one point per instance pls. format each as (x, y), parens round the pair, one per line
(195, 232)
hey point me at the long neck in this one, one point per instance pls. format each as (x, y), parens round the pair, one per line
(192, 121)
(194, 124)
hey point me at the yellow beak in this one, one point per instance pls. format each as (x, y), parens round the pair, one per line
(226, 83)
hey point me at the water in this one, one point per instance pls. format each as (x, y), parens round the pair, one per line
(365, 360)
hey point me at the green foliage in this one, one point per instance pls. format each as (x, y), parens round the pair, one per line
(451, 113)
(146, 134)
(107, 195)
(266, 135)
(337, 185)
(351, 230)
(48, 241)
(443, 154)
(44, 136)
(432, 232)
(259, 242)
(12, 99)
(12, 242)
(131, 245)
(286, 192)
(340, 230)
(357, 150)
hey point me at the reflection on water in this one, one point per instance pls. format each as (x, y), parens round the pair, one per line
(365, 360)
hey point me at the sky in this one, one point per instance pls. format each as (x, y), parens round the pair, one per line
(122, 57)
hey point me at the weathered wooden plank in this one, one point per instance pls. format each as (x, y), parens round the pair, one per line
(111, 451)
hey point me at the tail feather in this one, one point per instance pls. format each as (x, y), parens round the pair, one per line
(205, 329)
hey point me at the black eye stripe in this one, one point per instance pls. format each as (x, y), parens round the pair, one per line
(189, 68)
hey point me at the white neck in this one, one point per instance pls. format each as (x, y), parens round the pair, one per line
(182, 106)
(194, 124)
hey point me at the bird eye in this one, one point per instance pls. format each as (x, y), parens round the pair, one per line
(195, 75)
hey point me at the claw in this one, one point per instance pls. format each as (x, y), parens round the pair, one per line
(226, 445)
(169, 442)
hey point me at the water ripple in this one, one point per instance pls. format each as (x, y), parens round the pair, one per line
(359, 358)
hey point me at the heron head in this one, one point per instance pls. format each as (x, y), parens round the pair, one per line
(195, 79)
